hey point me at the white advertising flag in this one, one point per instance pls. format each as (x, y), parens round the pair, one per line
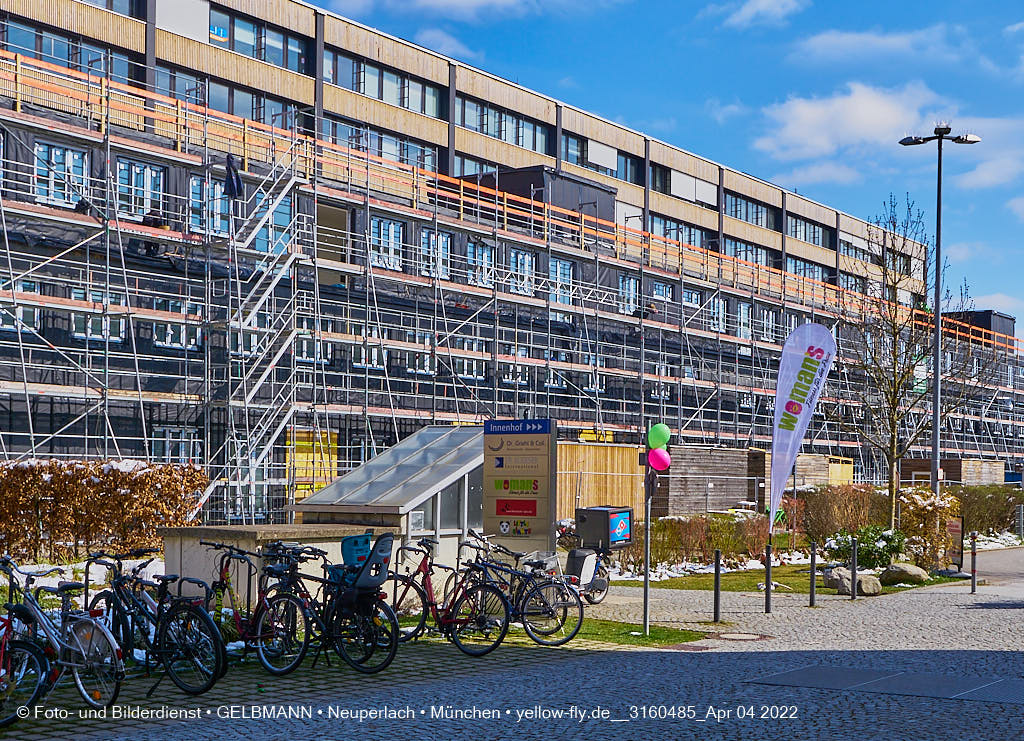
(806, 359)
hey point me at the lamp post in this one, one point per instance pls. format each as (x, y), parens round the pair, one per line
(942, 133)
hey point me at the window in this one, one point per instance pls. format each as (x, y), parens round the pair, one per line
(275, 234)
(96, 326)
(480, 263)
(501, 124)
(743, 320)
(435, 253)
(749, 252)
(371, 354)
(750, 211)
(379, 143)
(856, 251)
(176, 445)
(60, 174)
(260, 41)
(309, 348)
(661, 179)
(474, 368)
(662, 290)
(522, 266)
(386, 237)
(244, 342)
(560, 273)
(140, 187)
(450, 501)
(22, 318)
(855, 283)
(179, 335)
(769, 317)
(808, 231)
(805, 268)
(218, 208)
(662, 226)
(418, 361)
(716, 314)
(555, 379)
(393, 87)
(180, 85)
(898, 262)
(515, 373)
(421, 519)
(629, 289)
(630, 169)
(691, 297)
(574, 150)
(469, 166)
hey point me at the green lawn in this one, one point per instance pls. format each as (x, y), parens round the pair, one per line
(797, 577)
(611, 631)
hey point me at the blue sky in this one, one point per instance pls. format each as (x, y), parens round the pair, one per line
(812, 96)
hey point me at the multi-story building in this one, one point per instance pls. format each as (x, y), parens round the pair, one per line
(398, 239)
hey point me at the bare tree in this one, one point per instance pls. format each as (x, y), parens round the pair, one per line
(887, 344)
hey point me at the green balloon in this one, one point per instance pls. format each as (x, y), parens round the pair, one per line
(658, 436)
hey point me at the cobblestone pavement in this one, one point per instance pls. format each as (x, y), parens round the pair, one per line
(944, 629)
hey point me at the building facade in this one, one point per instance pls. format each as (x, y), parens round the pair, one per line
(397, 239)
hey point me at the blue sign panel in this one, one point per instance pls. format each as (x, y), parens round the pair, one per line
(618, 528)
(517, 427)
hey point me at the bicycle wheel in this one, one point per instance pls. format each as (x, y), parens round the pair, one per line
(366, 635)
(596, 598)
(478, 621)
(408, 601)
(98, 669)
(114, 619)
(22, 678)
(282, 634)
(552, 613)
(188, 645)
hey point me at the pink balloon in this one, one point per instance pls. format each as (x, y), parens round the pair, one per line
(659, 459)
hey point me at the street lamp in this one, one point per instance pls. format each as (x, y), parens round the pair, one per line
(942, 133)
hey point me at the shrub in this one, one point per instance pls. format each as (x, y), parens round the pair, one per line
(923, 519)
(988, 508)
(839, 508)
(877, 546)
(695, 538)
(61, 509)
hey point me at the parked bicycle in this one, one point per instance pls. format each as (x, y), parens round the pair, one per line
(545, 603)
(23, 670)
(345, 610)
(475, 616)
(79, 642)
(171, 631)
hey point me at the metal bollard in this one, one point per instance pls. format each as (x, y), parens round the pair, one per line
(853, 569)
(974, 561)
(814, 571)
(718, 585)
(768, 579)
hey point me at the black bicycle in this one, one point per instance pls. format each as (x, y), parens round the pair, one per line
(156, 628)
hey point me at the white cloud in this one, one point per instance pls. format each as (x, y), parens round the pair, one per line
(757, 12)
(1017, 206)
(567, 82)
(932, 43)
(829, 173)
(992, 172)
(859, 116)
(1001, 302)
(1014, 28)
(722, 112)
(444, 43)
(964, 252)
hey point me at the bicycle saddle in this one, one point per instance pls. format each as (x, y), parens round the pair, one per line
(164, 578)
(63, 588)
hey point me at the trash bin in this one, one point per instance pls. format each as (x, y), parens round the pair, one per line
(604, 527)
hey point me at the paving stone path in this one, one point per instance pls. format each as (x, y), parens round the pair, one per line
(701, 691)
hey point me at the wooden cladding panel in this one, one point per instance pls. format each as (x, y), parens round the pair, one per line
(390, 52)
(87, 20)
(812, 252)
(747, 186)
(583, 124)
(684, 210)
(382, 115)
(284, 13)
(683, 162)
(809, 210)
(506, 95)
(594, 474)
(234, 67)
(495, 150)
(751, 233)
(854, 226)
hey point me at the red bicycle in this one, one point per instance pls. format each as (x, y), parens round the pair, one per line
(475, 616)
